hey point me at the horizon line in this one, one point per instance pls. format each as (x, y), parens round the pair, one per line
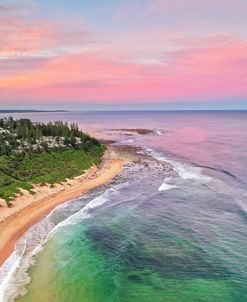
(112, 110)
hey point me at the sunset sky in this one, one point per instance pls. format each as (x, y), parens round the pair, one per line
(140, 54)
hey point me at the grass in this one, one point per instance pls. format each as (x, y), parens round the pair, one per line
(44, 168)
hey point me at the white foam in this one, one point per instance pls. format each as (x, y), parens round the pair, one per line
(167, 184)
(185, 171)
(9, 268)
(13, 273)
(159, 132)
(189, 172)
(165, 187)
(84, 212)
(13, 284)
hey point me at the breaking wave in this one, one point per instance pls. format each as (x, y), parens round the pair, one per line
(167, 184)
(14, 273)
(183, 170)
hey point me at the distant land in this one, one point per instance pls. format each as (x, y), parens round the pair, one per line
(28, 111)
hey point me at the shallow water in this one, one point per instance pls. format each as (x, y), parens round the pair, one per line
(150, 235)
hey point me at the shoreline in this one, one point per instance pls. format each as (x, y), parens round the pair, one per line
(21, 217)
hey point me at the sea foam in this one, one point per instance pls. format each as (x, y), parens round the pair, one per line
(159, 132)
(167, 184)
(84, 213)
(183, 170)
(165, 187)
(13, 273)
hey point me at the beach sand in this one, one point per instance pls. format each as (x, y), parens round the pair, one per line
(28, 209)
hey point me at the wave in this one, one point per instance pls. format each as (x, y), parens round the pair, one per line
(189, 172)
(185, 171)
(192, 171)
(165, 187)
(219, 170)
(159, 132)
(7, 287)
(14, 273)
(84, 213)
(167, 184)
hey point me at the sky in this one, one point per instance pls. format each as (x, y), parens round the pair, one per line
(123, 54)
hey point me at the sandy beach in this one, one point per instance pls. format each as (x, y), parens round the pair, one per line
(28, 209)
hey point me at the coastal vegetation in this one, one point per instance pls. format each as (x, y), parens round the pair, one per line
(38, 153)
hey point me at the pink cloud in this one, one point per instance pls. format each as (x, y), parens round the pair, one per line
(22, 35)
(43, 61)
(189, 73)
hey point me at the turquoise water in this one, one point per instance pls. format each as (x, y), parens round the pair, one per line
(153, 235)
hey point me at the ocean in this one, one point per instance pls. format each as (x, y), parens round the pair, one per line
(151, 234)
